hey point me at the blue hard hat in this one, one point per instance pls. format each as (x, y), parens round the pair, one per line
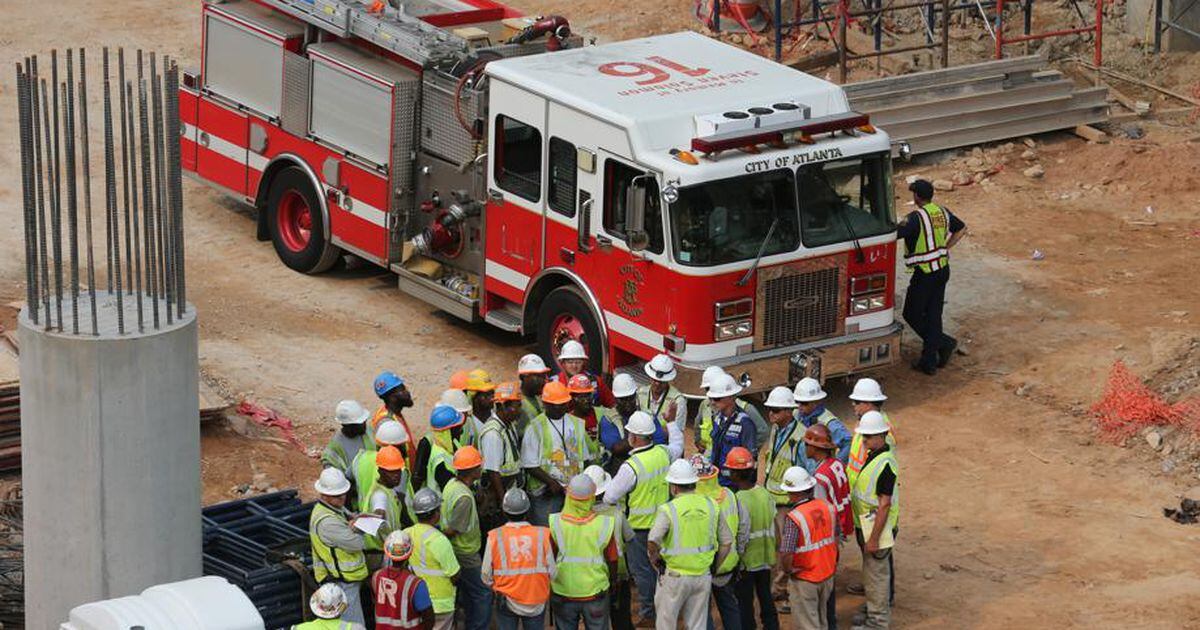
(445, 417)
(386, 382)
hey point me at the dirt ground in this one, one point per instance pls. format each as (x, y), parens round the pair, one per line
(1014, 512)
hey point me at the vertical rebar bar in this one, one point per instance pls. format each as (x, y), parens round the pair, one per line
(164, 262)
(110, 190)
(27, 190)
(174, 131)
(68, 94)
(137, 247)
(39, 112)
(56, 187)
(125, 140)
(148, 227)
(86, 156)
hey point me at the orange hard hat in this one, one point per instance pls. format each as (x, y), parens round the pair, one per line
(818, 435)
(458, 380)
(507, 391)
(389, 458)
(580, 384)
(739, 458)
(466, 458)
(555, 393)
(479, 381)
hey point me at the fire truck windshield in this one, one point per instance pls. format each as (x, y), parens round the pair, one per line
(727, 220)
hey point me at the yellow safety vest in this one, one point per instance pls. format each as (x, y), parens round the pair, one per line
(728, 505)
(330, 562)
(582, 571)
(858, 451)
(465, 543)
(392, 513)
(691, 540)
(929, 251)
(511, 464)
(786, 450)
(613, 512)
(441, 589)
(760, 548)
(437, 455)
(327, 624)
(864, 500)
(573, 451)
(650, 489)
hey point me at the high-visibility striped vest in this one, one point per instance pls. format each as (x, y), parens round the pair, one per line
(511, 464)
(929, 251)
(382, 414)
(728, 506)
(392, 512)
(573, 451)
(441, 589)
(582, 571)
(650, 489)
(465, 543)
(394, 591)
(816, 553)
(831, 475)
(618, 517)
(691, 540)
(864, 500)
(520, 562)
(760, 548)
(858, 451)
(658, 408)
(437, 455)
(531, 407)
(335, 454)
(330, 562)
(786, 449)
(327, 624)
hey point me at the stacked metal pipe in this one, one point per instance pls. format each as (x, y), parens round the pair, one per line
(56, 180)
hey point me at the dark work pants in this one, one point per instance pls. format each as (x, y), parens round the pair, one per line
(923, 311)
(752, 584)
(620, 612)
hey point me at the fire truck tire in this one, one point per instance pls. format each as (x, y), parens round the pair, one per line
(565, 309)
(296, 225)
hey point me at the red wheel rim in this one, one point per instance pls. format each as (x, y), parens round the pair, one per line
(567, 327)
(295, 221)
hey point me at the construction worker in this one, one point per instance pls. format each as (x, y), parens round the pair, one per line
(532, 373)
(704, 411)
(351, 438)
(388, 497)
(688, 540)
(554, 449)
(619, 597)
(810, 397)
(337, 547)
(786, 449)
(500, 445)
(640, 486)
(479, 391)
(875, 502)
(364, 469)
(808, 551)
(587, 559)
(929, 232)
(612, 426)
(390, 389)
(573, 359)
(518, 564)
(460, 523)
(328, 603)
(756, 507)
(834, 488)
(582, 394)
(662, 401)
(731, 426)
(434, 467)
(401, 598)
(866, 396)
(433, 557)
(724, 587)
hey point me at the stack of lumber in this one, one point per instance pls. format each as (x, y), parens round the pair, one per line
(10, 427)
(977, 103)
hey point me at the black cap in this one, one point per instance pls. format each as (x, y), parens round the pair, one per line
(922, 188)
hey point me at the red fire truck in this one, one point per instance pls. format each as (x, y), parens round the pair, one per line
(667, 194)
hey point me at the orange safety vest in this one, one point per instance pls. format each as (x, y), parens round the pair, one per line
(858, 451)
(382, 414)
(816, 554)
(520, 567)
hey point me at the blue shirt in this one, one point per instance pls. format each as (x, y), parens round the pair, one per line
(728, 433)
(837, 432)
(421, 601)
(610, 433)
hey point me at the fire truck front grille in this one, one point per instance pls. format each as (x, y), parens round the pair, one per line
(799, 302)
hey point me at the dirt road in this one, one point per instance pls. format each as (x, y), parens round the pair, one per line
(1013, 513)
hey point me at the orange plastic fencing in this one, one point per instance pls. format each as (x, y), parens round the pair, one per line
(1128, 406)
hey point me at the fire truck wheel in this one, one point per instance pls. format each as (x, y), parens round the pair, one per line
(564, 315)
(296, 225)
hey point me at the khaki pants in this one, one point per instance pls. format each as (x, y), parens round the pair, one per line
(809, 601)
(444, 621)
(877, 576)
(682, 597)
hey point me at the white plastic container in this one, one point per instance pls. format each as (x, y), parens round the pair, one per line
(206, 603)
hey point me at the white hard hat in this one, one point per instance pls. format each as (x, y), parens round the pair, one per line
(809, 390)
(391, 432)
(640, 423)
(351, 412)
(532, 364)
(457, 399)
(867, 390)
(572, 350)
(623, 385)
(599, 477)
(681, 472)
(780, 398)
(661, 368)
(722, 386)
(328, 602)
(515, 502)
(796, 479)
(710, 372)
(425, 501)
(332, 483)
(872, 423)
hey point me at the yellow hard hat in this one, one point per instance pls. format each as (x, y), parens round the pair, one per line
(479, 381)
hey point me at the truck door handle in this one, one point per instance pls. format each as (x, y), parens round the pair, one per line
(567, 255)
(603, 242)
(495, 195)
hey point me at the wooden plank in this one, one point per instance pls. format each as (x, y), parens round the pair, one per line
(1091, 134)
(1002, 67)
(815, 61)
(970, 102)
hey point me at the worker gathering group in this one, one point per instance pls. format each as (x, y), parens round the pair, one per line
(561, 496)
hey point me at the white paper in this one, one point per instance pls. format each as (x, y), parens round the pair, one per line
(368, 524)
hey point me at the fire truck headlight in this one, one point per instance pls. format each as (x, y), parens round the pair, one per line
(733, 330)
(867, 304)
(670, 193)
(877, 302)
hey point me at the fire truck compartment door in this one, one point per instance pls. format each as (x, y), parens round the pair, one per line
(221, 152)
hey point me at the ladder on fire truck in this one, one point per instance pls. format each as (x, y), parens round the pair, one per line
(392, 29)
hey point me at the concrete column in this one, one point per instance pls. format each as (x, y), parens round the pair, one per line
(110, 448)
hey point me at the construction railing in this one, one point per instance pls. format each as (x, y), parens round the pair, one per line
(1096, 28)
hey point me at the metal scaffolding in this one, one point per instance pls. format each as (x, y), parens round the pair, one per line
(1164, 22)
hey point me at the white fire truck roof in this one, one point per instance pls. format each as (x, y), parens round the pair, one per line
(656, 86)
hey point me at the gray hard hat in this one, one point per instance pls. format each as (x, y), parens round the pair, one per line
(426, 501)
(515, 502)
(581, 487)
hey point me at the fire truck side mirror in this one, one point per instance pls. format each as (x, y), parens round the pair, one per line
(635, 213)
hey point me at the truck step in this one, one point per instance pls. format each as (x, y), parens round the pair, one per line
(504, 319)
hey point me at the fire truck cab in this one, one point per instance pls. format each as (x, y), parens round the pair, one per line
(667, 194)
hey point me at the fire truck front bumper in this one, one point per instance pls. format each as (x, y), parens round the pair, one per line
(841, 356)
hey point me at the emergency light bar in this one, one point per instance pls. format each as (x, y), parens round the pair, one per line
(813, 126)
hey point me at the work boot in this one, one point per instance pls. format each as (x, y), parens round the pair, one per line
(927, 370)
(946, 352)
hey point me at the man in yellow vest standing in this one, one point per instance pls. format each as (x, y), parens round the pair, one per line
(433, 558)
(724, 587)
(756, 508)
(688, 542)
(587, 559)
(875, 501)
(460, 523)
(337, 547)
(929, 232)
(619, 597)
(553, 450)
(328, 603)
(352, 437)
(785, 449)
(500, 446)
(532, 372)
(518, 564)
(388, 497)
